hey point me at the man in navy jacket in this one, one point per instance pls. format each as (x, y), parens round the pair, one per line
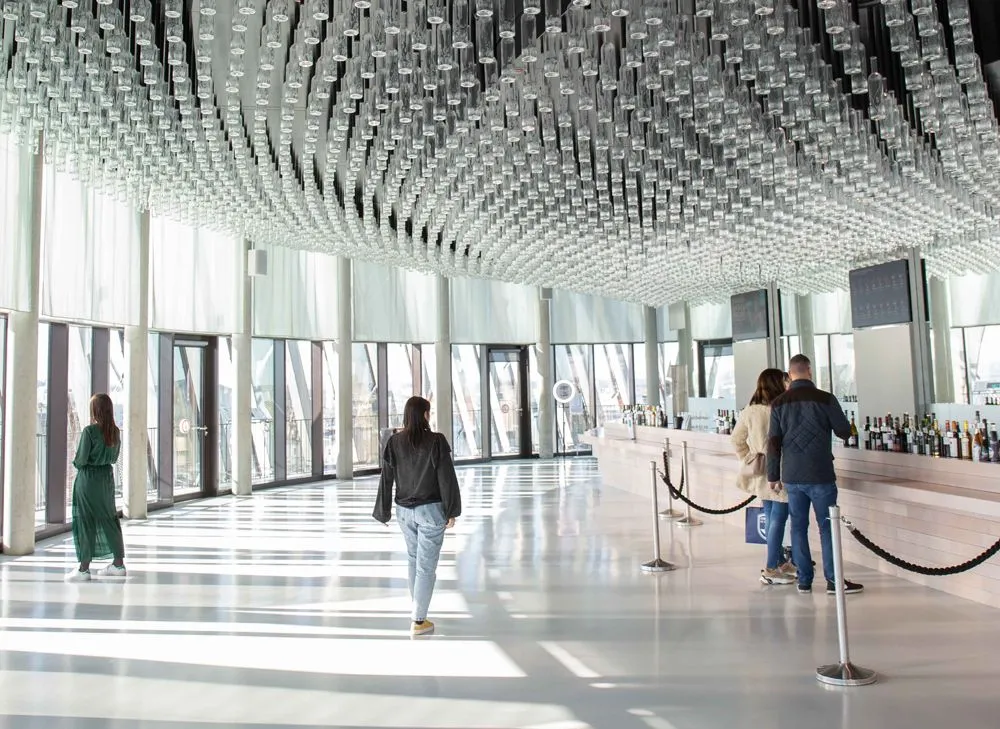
(800, 460)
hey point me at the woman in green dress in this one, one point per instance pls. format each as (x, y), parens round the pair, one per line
(97, 532)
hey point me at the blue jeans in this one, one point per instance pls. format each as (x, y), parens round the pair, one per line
(423, 529)
(820, 496)
(775, 517)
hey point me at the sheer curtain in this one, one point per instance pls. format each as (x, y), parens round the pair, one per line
(297, 299)
(90, 246)
(493, 312)
(192, 275)
(581, 318)
(15, 221)
(393, 305)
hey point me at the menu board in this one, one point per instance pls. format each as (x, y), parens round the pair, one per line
(880, 295)
(749, 315)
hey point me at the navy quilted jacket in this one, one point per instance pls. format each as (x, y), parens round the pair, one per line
(800, 447)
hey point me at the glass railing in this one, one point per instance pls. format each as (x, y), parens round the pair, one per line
(329, 445)
(366, 440)
(263, 449)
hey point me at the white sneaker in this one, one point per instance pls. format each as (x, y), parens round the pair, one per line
(78, 576)
(113, 573)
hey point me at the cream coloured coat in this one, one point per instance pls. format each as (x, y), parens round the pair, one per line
(750, 438)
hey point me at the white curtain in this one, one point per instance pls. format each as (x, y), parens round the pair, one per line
(586, 319)
(393, 305)
(297, 299)
(90, 246)
(193, 273)
(832, 313)
(15, 224)
(493, 312)
(711, 321)
(663, 331)
(975, 300)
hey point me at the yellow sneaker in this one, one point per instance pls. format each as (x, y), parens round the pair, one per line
(789, 569)
(423, 628)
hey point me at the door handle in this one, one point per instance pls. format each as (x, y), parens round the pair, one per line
(201, 428)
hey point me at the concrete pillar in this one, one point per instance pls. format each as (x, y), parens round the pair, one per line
(345, 370)
(546, 404)
(807, 330)
(242, 443)
(651, 332)
(944, 383)
(20, 464)
(137, 389)
(442, 361)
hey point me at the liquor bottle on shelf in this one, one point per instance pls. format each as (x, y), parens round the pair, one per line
(888, 434)
(965, 443)
(978, 447)
(868, 432)
(852, 441)
(994, 444)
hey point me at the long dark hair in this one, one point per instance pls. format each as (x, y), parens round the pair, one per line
(102, 414)
(770, 384)
(416, 427)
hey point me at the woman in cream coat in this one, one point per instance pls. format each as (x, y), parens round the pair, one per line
(750, 441)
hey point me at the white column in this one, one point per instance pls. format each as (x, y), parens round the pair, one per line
(442, 361)
(546, 403)
(137, 388)
(652, 357)
(20, 465)
(345, 370)
(243, 379)
(806, 328)
(944, 384)
(685, 359)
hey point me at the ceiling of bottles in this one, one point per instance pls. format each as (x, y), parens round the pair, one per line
(651, 151)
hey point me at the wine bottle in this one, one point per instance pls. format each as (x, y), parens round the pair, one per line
(852, 441)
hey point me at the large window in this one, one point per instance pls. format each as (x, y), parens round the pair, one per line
(574, 364)
(399, 385)
(79, 379)
(842, 366)
(613, 380)
(365, 404)
(717, 371)
(330, 375)
(262, 410)
(981, 363)
(116, 391)
(42, 427)
(467, 401)
(669, 356)
(227, 434)
(298, 407)
(153, 418)
(3, 405)
(428, 381)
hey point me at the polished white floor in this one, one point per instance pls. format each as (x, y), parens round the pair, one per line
(288, 609)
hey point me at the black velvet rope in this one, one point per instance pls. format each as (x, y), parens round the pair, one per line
(665, 475)
(922, 569)
(676, 493)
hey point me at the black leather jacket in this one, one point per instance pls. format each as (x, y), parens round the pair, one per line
(423, 475)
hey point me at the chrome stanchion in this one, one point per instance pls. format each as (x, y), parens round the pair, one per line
(656, 564)
(689, 520)
(844, 673)
(670, 512)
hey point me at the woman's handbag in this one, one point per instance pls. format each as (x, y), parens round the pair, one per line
(754, 465)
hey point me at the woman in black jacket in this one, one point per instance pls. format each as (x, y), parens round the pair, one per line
(418, 462)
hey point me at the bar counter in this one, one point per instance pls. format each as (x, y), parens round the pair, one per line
(928, 511)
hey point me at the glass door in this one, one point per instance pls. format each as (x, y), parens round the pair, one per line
(190, 423)
(507, 380)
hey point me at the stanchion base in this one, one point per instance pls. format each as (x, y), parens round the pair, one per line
(658, 565)
(689, 521)
(670, 514)
(845, 674)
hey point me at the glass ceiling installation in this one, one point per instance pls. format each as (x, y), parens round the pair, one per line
(650, 151)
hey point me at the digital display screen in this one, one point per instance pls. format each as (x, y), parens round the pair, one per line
(880, 295)
(750, 319)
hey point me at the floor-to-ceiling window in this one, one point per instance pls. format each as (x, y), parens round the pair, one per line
(467, 401)
(364, 399)
(330, 375)
(535, 394)
(399, 380)
(428, 381)
(42, 426)
(3, 405)
(574, 364)
(717, 373)
(227, 434)
(79, 373)
(613, 380)
(669, 355)
(119, 397)
(153, 418)
(298, 407)
(262, 412)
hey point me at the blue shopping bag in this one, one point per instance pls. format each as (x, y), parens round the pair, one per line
(756, 526)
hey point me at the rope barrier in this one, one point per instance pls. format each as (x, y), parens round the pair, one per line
(920, 569)
(704, 509)
(665, 476)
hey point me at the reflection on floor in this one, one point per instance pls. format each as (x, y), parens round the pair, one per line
(288, 610)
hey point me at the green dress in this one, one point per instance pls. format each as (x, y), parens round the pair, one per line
(97, 533)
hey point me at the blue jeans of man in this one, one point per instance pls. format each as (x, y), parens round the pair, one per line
(820, 497)
(775, 517)
(423, 529)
